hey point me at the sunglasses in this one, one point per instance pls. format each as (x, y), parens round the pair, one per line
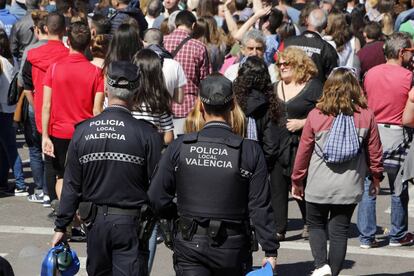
(279, 64)
(411, 50)
(352, 70)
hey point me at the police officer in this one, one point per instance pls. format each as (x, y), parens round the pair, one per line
(221, 184)
(110, 159)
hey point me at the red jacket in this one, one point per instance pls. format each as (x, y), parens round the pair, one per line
(40, 58)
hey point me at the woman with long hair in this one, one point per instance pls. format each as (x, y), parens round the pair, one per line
(9, 156)
(254, 93)
(339, 146)
(153, 102)
(338, 34)
(299, 90)
(125, 43)
(206, 31)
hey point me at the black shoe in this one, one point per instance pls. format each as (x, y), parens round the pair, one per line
(78, 235)
(280, 237)
(52, 215)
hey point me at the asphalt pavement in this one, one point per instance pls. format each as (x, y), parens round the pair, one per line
(25, 234)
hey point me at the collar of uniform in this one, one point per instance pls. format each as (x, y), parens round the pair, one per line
(217, 124)
(118, 107)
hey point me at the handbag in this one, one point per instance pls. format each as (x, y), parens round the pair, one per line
(14, 92)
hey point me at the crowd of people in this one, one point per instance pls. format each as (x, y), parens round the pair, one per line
(323, 87)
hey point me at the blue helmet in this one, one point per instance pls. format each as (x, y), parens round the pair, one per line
(264, 271)
(60, 259)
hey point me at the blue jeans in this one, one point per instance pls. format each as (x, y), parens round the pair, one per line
(10, 157)
(367, 222)
(152, 247)
(35, 153)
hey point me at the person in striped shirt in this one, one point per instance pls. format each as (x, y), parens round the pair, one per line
(153, 102)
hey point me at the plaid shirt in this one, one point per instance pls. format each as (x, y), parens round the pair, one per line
(194, 60)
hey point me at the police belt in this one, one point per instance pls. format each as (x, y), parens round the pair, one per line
(231, 229)
(108, 210)
(188, 227)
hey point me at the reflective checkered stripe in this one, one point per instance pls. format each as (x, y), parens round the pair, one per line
(112, 156)
(245, 173)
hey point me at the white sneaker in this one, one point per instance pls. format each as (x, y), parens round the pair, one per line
(323, 271)
(20, 192)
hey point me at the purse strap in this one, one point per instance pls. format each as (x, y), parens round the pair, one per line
(284, 100)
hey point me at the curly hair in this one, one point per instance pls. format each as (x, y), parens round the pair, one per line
(341, 94)
(302, 65)
(99, 45)
(253, 74)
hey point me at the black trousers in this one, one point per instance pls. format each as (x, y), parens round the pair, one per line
(280, 186)
(55, 166)
(336, 219)
(113, 247)
(199, 257)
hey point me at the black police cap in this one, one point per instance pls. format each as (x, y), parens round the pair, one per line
(122, 74)
(216, 90)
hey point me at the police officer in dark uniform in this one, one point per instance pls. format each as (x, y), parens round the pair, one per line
(221, 183)
(109, 162)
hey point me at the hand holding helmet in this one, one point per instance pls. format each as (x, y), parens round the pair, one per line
(62, 259)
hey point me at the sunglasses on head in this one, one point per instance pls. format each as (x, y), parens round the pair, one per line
(352, 70)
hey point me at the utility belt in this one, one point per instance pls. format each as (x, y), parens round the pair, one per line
(89, 210)
(216, 230)
(107, 210)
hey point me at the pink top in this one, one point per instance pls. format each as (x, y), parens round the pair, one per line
(387, 87)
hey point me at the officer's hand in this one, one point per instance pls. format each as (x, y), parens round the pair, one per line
(271, 260)
(297, 191)
(58, 237)
(47, 146)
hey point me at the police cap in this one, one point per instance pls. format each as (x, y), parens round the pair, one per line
(216, 90)
(122, 74)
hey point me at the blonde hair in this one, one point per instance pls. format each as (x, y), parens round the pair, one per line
(301, 64)
(387, 24)
(341, 94)
(195, 122)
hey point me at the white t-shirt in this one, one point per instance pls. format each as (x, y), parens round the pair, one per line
(233, 70)
(174, 75)
(150, 21)
(5, 79)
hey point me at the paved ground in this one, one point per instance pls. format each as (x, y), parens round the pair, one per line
(25, 233)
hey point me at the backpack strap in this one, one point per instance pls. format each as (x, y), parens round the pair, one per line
(176, 50)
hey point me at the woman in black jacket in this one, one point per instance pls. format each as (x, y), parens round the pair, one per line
(254, 93)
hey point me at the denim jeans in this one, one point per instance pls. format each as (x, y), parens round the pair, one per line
(10, 157)
(152, 247)
(35, 153)
(367, 223)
